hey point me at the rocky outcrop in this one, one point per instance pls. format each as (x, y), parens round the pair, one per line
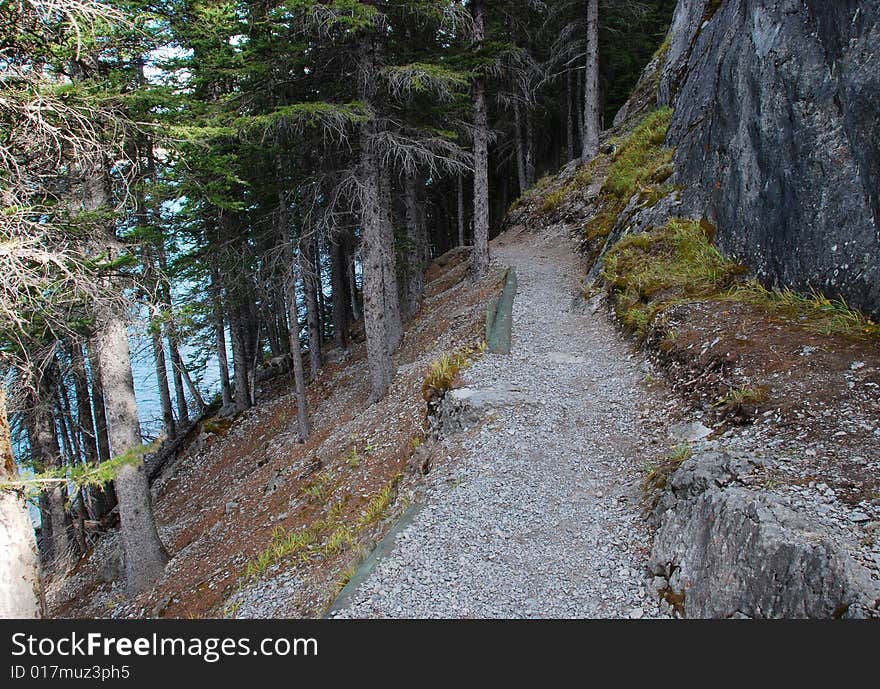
(464, 408)
(777, 109)
(723, 550)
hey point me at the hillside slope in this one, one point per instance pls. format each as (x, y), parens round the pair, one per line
(258, 524)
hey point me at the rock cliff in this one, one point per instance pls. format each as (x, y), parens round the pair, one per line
(777, 107)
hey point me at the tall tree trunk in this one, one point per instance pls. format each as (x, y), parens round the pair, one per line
(99, 405)
(177, 374)
(375, 248)
(461, 227)
(530, 152)
(194, 391)
(83, 403)
(349, 249)
(417, 249)
(101, 500)
(481, 156)
(47, 453)
(393, 315)
(145, 557)
(307, 252)
(240, 360)
(21, 590)
(220, 334)
(569, 122)
(591, 84)
(520, 150)
(296, 354)
(162, 378)
(341, 306)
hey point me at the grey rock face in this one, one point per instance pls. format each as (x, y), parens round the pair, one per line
(725, 551)
(777, 106)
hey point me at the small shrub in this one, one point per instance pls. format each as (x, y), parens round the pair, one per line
(553, 200)
(353, 459)
(444, 371)
(743, 403)
(658, 476)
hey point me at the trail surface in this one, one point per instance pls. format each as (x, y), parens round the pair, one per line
(538, 514)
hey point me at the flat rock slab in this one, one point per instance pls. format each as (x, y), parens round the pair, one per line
(563, 358)
(491, 398)
(689, 432)
(464, 408)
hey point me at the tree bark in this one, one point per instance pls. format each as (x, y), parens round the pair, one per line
(296, 354)
(83, 404)
(393, 315)
(341, 306)
(240, 361)
(101, 500)
(481, 156)
(416, 246)
(591, 84)
(98, 403)
(307, 257)
(520, 150)
(47, 454)
(461, 228)
(220, 334)
(145, 557)
(569, 122)
(530, 152)
(21, 589)
(162, 378)
(375, 248)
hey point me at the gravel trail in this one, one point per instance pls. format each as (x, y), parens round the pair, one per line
(538, 514)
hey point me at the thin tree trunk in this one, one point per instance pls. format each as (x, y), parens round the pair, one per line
(530, 151)
(481, 157)
(177, 374)
(461, 228)
(296, 355)
(520, 150)
(348, 246)
(145, 557)
(102, 500)
(220, 334)
(99, 405)
(569, 122)
(393, 315)
(193, 390)
(47, 453)
(83, 404)
(21, 590)
(341, 307)
(310, 290)
(239, 361)
(591, 84)
(162, 378)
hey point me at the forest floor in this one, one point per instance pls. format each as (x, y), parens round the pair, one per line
(259, 524)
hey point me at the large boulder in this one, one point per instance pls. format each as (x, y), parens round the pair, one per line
(723, 550)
